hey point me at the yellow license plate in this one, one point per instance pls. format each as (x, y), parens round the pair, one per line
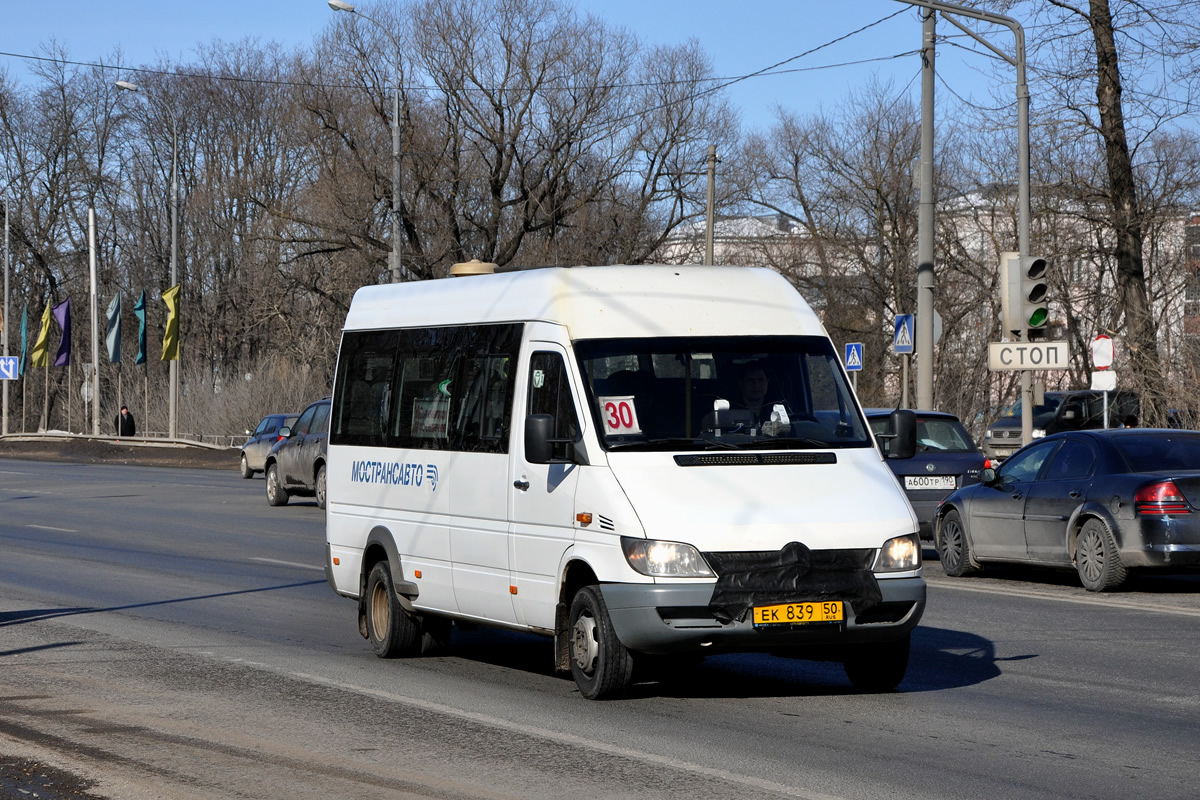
(798, 613)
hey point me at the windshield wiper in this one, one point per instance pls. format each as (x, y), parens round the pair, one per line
(678, 442)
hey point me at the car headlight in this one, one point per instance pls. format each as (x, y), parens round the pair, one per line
(899, 555)
(987, 434)
(665, 559)
(1039, 433)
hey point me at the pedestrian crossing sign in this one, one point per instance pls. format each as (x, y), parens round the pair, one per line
(854, 356)
(903, 340)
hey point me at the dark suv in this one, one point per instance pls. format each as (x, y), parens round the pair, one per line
(1062, 411)
(296, 464)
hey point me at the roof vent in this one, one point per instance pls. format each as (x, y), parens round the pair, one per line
(472, 267)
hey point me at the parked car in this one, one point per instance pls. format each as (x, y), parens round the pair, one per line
(1083, 409)
(254, 451)
(946, 459)
(296, 464)
(1101, 501)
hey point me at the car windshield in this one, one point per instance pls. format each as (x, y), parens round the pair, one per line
(731, 392)
(1050, 406)
(1153, 452)
(934, 435)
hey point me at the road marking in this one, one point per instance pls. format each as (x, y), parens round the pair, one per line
(1083, 601)
(288, 563)
(48, 528)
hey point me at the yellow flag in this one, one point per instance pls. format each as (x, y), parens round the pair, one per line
(40, 357)
(171, 335)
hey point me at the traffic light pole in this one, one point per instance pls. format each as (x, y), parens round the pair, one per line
(1018, 61)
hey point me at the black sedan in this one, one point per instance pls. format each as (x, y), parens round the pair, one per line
(1102, 501)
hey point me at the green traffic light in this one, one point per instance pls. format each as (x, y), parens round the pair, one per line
(1038, 318)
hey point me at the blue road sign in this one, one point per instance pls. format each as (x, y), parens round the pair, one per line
(8, 368)
(902, 342)
(853, 356)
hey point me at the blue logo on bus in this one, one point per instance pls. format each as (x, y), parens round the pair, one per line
(394, 473)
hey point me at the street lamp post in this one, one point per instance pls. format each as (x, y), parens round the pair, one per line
(396, 269)
(172, 430)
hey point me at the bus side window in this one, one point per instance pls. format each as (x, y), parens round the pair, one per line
(550, 393)
(481, 424)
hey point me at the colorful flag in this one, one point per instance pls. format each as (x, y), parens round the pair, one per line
(62, 313)
(41, 345)
(140, 311)
(23, 364)
(171, 335)
(112, 336)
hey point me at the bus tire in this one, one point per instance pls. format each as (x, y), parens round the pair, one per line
(391, 631)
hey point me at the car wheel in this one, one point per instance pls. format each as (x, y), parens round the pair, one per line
(246, 471)
(276, 494)
(953, 547)
(878, 667)
(600, 664)
(321, 486)
(1096, 558)
(390, 629)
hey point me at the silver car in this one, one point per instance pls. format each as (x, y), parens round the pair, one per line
(254, 451)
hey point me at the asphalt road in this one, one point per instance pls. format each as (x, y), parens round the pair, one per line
(165, 633)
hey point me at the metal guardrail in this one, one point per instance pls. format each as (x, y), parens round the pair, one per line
(216, 441)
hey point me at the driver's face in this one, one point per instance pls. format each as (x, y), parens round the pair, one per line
(754, 387)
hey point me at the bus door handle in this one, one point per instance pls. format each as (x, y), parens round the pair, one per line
(523, 485)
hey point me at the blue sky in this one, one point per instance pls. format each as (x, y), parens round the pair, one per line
(740, 37)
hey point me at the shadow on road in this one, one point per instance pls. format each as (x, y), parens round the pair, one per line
(33, 615)
(941, 659)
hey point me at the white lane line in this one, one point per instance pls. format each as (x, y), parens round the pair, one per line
(288, 563)
(1083, 601)
(49, 528)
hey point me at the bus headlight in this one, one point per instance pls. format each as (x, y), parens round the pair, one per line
(665, 559)
(899, 555)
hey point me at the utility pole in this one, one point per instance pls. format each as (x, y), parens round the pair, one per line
(4, 344)
(95, 382)
(925, 220)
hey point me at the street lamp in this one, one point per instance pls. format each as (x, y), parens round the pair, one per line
(341, 5)
(172, 430)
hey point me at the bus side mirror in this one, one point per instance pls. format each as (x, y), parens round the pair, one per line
(903, 424)
(538, 430)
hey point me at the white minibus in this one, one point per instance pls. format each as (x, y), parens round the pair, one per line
(637, 461)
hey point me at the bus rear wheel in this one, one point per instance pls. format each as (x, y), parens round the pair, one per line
(391, 631)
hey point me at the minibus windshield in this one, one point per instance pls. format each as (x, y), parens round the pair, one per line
(728, 392)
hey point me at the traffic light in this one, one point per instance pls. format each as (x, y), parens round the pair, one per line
(1034, 311)
(1023, 294)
